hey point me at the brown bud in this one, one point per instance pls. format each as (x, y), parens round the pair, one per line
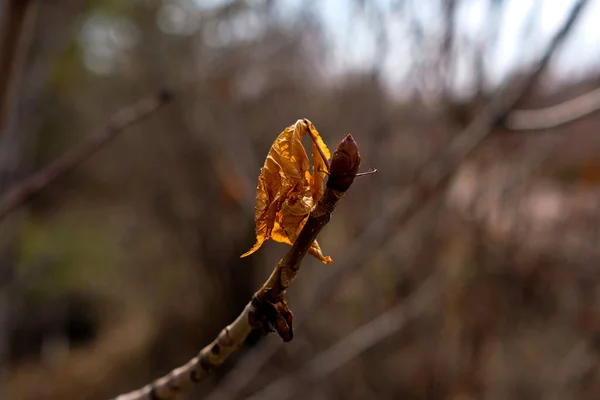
(344, 165)
(283, 323)
(270, 316)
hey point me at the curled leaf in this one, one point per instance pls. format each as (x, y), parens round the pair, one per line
(287, 190)
(318, 176)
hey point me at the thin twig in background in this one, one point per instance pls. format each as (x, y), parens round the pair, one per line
(431, 181)
(16, 195)
(553, 116)
(267, 310)
(354, 344)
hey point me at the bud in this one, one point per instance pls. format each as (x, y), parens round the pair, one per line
(344, 165)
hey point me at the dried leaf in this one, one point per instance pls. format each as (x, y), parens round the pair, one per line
(317, 179)
(287, 191)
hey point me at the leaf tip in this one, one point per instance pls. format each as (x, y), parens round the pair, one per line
(315, 251)
(327, 260)
(256, 246)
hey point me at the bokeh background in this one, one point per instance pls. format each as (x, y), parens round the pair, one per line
(124, 268)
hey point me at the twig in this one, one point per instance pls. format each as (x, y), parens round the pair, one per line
(17, 194)
(551, 117)
(431, 181)
(355, 343)
(268, 309)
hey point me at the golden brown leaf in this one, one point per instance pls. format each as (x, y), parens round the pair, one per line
(317, 179)
(287, 191)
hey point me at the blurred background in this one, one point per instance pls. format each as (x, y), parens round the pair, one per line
(124, 268)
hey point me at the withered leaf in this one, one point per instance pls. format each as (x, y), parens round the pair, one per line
(287, 190)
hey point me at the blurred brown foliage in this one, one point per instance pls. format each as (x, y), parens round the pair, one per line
(126, 267)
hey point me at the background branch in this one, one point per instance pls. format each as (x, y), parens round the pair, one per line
(126, 117)
(559, 114)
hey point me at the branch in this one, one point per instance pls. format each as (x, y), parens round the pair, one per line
(16, 195)
(267, 311)
(551, 117)
(430, 182)
(356, 343)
